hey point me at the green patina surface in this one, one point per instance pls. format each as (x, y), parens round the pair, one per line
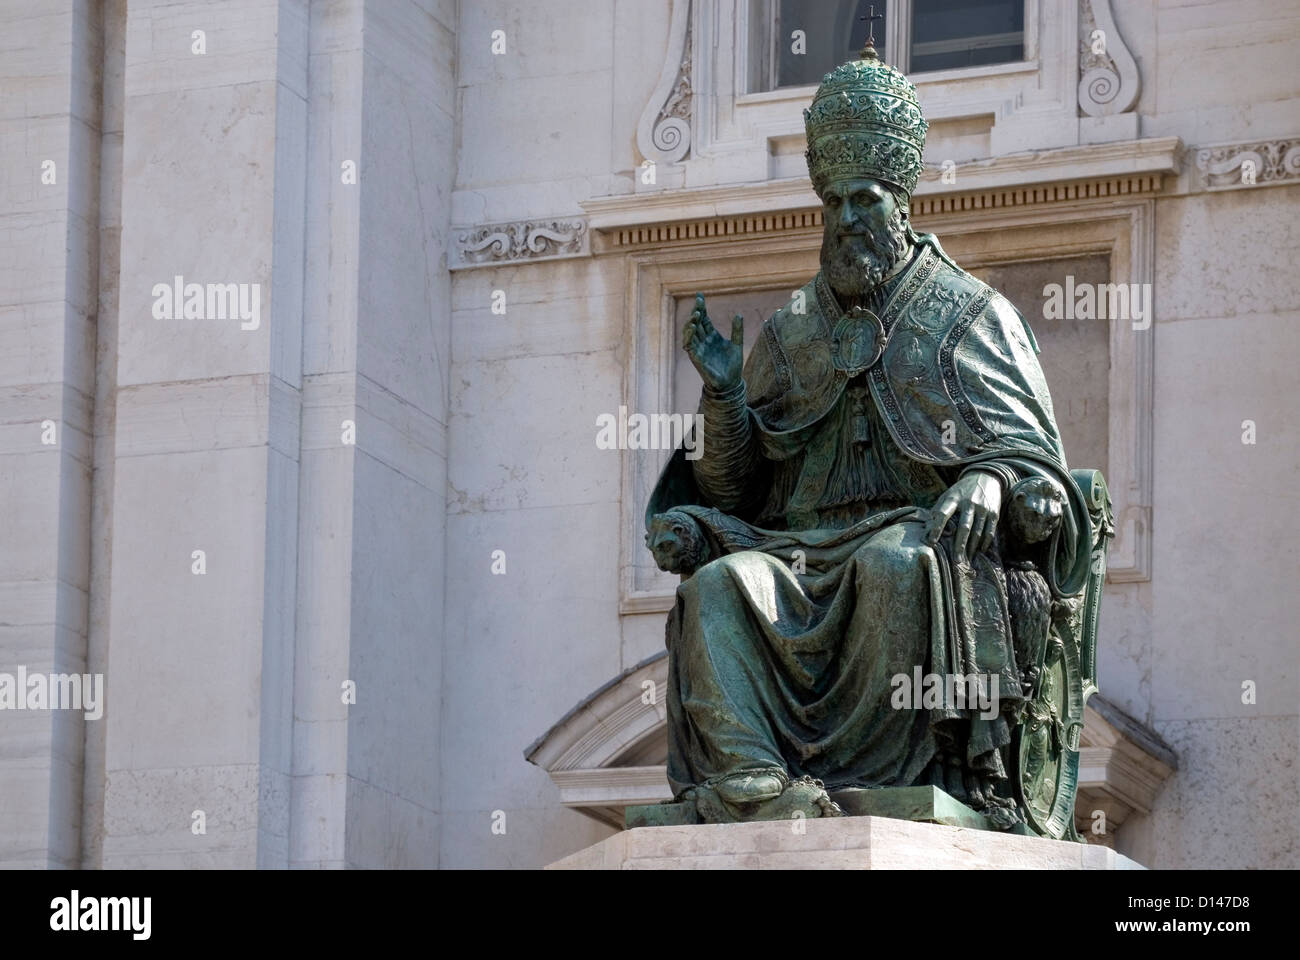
(890, 574)
(923, 804)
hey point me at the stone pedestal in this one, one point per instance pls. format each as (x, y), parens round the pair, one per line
(840, 843)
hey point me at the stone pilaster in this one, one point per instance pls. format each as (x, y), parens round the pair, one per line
(205, 501)
(49, 142)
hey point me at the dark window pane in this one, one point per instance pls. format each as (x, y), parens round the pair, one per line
(966, 33)
(832, 34)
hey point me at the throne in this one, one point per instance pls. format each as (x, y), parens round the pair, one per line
(606, 754)
(1055, 649)
(1045, 747)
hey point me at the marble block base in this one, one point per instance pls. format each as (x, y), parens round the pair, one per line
(837, 843)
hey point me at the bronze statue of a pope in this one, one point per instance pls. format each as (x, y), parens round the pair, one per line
(884, 555)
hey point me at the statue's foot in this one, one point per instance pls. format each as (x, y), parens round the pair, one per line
(763, 795)
(1000, 811)
(809, 798)
(1002, 814)
(751, 787)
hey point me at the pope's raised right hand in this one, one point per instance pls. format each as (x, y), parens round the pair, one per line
(719, 361)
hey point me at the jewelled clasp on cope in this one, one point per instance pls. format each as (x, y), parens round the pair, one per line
(857, 341)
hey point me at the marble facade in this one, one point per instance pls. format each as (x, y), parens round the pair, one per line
(492, 274)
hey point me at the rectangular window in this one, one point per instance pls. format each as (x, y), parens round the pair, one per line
(794, 43)
(947, 34)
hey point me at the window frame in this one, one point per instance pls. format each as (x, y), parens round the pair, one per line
(744, 137)
(657, 276)
(897, 47)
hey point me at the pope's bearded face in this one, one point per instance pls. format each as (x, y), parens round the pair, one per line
(866, 235)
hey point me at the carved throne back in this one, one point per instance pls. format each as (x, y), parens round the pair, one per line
(1045, 750)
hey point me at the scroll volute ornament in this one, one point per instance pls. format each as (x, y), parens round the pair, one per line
(1108, 74)
(663, 134)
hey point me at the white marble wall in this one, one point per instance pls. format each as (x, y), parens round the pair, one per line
(544, 125)
(1221, 607)
(200, 667)
(373, 562)
(526, 478)
(49, 145)
(305, 457)
(403, 360)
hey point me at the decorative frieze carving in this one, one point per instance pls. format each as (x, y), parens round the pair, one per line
(1108, 75)
(526, 240)
(809, 220)
(1067, 175)
(664, 132)
(1249, 164)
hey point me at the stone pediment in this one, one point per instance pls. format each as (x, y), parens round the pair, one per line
(609, 752)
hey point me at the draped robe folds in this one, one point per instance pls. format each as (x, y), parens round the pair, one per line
(819, 589)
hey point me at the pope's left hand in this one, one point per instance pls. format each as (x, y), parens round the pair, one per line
(974, 502)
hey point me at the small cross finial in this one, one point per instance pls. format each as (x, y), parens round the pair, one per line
(869, 49)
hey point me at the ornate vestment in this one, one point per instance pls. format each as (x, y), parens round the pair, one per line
(812, 494)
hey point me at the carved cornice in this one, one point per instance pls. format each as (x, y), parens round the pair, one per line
(1097, 188)
(809, 220)
(496, 244)
(715, 229)
(1122, 766)
(675, 206)
(604, 792)
(725, 229)
(1095, 162)
(664, 132)
(782, 207)
(1263, 163)
(1108, 74)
